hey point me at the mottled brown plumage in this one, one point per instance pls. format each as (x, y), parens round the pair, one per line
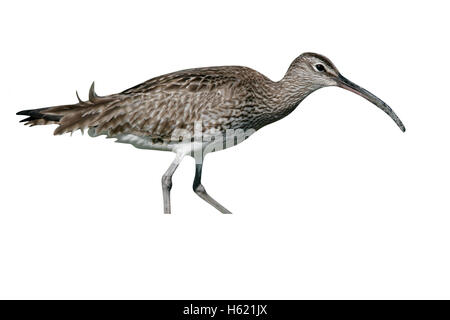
(220, 97)
(152, 114)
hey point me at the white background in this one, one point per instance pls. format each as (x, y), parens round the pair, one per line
(333, 201)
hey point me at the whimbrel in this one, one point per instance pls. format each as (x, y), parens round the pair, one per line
(197, 111)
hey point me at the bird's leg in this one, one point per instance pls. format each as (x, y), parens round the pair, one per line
(167, 182)
(201, 192)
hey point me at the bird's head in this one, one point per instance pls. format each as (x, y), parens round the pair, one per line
(314, 71)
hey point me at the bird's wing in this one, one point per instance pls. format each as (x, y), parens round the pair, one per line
(158, 107)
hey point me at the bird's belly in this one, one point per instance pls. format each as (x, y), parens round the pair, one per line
(225, 140)
(143, 142)
(195, 146)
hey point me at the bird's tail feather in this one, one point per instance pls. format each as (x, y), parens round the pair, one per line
(67, 116)
(38, 117)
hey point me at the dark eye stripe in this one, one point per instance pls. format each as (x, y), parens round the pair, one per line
(320, 67)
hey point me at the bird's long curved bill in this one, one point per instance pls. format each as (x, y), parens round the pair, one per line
(348, 85)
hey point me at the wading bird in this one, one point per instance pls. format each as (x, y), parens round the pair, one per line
(196, 111)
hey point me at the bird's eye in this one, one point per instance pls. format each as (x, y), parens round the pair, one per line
(320, 67)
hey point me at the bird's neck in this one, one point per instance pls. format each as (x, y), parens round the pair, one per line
(293, 89)
(278, 99)
(287, 95)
